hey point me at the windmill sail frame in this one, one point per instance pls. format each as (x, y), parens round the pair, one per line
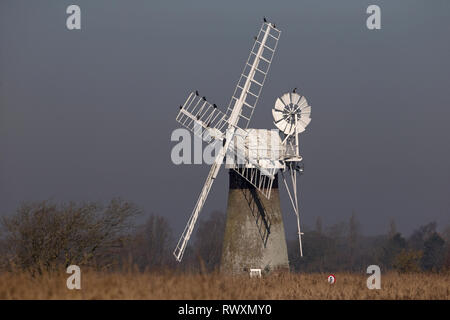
(209, 124)
(200, 116)
(262, 53)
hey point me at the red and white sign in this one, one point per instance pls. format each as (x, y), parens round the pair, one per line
(331, 279)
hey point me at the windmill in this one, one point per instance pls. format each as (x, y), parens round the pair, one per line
(254, 156)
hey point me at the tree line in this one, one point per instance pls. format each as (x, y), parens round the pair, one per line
(46, 236)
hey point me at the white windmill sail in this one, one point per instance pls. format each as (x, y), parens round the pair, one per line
(254, 73)
(197, 112)
(208, 123)
(246, 95)
(182, 242)
(202, 118)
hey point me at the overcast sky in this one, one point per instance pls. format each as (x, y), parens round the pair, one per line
(88, 115)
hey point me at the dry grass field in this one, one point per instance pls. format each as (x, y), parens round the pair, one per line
(133, 285)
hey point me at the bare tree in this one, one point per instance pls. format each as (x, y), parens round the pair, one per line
(353, 235)
(446, 234)
(419, 236)
(150, 247)
(45, 236)
(209, 240)
(392, 229)
(319, 228)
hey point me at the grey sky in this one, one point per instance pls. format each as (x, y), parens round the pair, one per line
(87, 115)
